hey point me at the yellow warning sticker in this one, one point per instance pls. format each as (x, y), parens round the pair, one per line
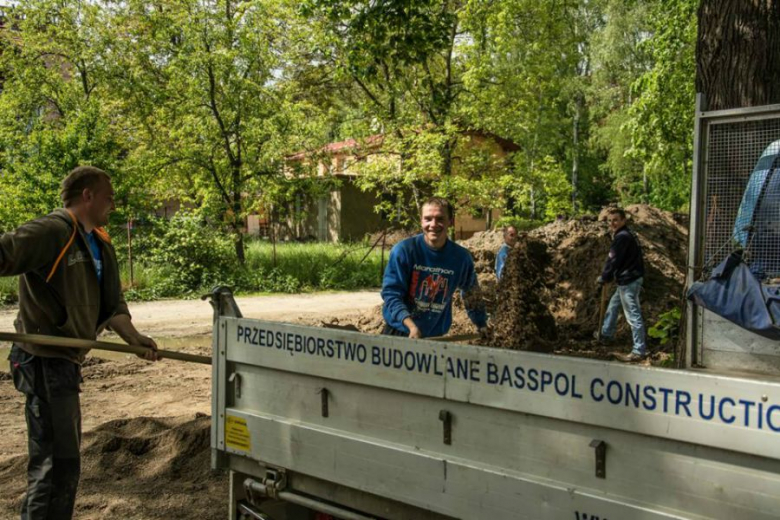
(237, 434)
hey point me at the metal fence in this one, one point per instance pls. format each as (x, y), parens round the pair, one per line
(734, 206)
(740, 198)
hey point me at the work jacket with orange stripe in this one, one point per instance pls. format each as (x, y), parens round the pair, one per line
(59, 291)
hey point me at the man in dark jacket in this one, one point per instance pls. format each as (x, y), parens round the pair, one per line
(626, 267)
(69, 287)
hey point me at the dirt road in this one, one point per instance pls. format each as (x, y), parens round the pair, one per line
(146, 425)
(176, 318)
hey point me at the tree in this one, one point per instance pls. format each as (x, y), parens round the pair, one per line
(737, 53)
(659, 119)
(405, 61)
(53, 110)
(202, 83)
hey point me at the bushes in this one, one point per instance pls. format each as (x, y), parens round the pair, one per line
(185, 257)
(9, 290)
(177, 257)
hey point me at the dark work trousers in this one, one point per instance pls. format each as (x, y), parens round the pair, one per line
(390, 331)
(53, 415)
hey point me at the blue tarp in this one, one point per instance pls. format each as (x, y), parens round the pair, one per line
(735, 293)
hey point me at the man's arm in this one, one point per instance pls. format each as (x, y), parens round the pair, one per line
(32, 246)
(395, 286)
(123, 326)
(500, 260)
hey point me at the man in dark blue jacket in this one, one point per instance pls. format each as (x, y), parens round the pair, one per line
(422, 275)
(626, 267)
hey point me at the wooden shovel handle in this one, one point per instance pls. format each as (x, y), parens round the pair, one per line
(54, 341)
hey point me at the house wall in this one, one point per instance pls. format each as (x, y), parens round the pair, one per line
(466, 225)
(358, 217)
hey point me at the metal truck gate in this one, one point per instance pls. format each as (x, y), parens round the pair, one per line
(727, 146)
(387, 427)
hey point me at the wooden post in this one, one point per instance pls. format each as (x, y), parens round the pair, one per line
(273, 235)
(382, 265)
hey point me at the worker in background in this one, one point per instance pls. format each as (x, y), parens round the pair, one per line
(422, 275)
(69, 287)
(510, 239)
(625, 266)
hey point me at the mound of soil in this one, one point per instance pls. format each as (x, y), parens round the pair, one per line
(392, 237)
(577, 250)
(143, 468)
(484, 241)
(521, 321)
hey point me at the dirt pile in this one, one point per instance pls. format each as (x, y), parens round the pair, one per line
(521, 321)
(484, 240)
(142, 468)
(576, 251)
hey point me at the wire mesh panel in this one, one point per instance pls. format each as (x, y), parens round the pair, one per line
(742, 195)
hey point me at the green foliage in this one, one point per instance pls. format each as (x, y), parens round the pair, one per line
(520, 224)
(52, 117)
(667, 327)
(9, 290)
(186, 253)
(319, 265)
(661, 117)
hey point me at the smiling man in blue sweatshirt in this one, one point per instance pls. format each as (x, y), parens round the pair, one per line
(422, 275)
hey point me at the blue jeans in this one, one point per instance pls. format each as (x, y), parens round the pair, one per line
(626, 296)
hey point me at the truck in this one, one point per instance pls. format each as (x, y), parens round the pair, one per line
(317, 422)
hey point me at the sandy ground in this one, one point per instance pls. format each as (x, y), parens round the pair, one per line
(176, 318)
(146, 424)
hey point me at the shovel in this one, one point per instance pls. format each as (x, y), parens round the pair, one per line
(602, 309)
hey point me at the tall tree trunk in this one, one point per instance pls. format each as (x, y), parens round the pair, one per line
(738, 53)
(239, 238)
(575, 163)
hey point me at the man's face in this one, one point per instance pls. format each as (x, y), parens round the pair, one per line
(615, 221)
(435, 223)
(510, 237)
(100, 203)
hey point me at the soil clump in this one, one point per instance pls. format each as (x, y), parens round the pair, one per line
(521, 321)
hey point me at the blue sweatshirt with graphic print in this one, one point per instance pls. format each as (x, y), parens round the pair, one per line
(420, 281)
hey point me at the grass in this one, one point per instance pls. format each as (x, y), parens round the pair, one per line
(298, 267)
(319, 265)
(9, 290)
